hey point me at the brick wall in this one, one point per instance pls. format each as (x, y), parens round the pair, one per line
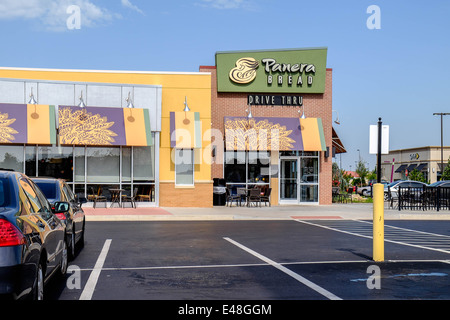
(171, 196)
(315, 106)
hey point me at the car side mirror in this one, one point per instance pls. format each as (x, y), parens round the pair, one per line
(61, 207)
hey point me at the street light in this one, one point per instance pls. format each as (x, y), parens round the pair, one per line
(442, 114)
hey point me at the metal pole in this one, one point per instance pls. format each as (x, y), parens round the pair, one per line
(442, 139)
(378, 207)
(379, 152)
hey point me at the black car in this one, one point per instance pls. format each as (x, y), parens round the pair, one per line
(58, 190)
(33, 242)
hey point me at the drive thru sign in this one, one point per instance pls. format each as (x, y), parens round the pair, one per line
(373, 146)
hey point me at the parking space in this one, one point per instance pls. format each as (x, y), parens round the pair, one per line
(257, 260)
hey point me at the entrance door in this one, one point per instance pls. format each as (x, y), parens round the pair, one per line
(299, 180)
(289, 181)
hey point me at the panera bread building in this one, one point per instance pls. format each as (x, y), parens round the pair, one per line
(273, 114)
(259, 118)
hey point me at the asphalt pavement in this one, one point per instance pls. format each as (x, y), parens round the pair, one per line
(359, 211)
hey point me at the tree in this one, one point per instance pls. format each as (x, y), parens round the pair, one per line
(416, 175)
(446, 173)
(362, 171)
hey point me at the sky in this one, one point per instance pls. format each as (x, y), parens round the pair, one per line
(398, 71)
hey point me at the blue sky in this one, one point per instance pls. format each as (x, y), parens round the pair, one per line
(399, 72)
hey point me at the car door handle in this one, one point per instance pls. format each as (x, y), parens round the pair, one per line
(40, 224)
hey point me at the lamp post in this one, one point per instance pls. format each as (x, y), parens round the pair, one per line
(442, 114)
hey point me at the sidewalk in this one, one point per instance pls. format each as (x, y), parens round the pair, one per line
(362, 211)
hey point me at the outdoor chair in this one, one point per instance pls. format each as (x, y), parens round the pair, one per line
(254, 196)
(266, 196)
(145, 196)
(242, 193)
(130, 198)
(230, 197)
(97, 196)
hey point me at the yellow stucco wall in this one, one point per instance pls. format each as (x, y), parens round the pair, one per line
(175, 87)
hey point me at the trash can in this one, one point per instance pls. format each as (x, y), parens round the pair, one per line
(219, 192)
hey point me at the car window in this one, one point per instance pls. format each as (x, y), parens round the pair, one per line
(65, 192)
(68, 192)
(31, 195)
(5, 192)
(45, 204)
(416, 185)
(48, 188)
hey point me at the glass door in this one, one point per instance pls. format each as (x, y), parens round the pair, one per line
(289, 181)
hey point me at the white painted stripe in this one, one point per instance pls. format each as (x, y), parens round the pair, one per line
(93, 278)
(294, 275)
(371, 237)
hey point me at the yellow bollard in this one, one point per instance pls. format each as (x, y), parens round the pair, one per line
(378, 222)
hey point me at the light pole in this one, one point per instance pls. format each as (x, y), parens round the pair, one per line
(442, 114)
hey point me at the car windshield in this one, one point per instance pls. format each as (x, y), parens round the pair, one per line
(5, 193)
(393, 183)
(49, 190)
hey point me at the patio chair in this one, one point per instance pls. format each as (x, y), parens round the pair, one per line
(130, 198)
(230, 197)
(97, 196)
(145, 196)
(266, 197)
(242, 193)
(254, 196)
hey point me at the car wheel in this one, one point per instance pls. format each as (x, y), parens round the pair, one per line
(39, 286)
(386, 196)
(64, 259)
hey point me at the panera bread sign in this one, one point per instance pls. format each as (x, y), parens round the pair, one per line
(286, 71)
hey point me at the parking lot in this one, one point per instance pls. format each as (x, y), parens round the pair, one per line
(258, 261)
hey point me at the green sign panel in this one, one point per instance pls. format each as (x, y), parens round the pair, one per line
(283, 71)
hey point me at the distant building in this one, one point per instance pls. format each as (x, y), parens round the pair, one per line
(398, 164)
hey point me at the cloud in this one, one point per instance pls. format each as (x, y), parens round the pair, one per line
(52, 14)
(223, 4)
(128, 4)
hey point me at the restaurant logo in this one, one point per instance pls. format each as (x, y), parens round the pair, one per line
(245, 71)
(285, 71)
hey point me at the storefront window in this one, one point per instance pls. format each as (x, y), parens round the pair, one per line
(56, 162)
(235, 167)
(126, 164)
(249, 169)
(79, 164)
(184, 167)
(103, 165)
(30, 161)
(258, 167)
(11, 158)
(143, 164)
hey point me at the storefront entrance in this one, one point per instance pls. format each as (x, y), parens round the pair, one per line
(299, 178)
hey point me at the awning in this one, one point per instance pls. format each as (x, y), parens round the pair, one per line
(421, 166)
(284, 134)
(401, 168)
(27, 124)
(185, 130)
(104, 126)
(337, 143)
(411, 167)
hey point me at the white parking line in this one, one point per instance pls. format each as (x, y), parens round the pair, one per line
(294, 275)
(93, 278)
